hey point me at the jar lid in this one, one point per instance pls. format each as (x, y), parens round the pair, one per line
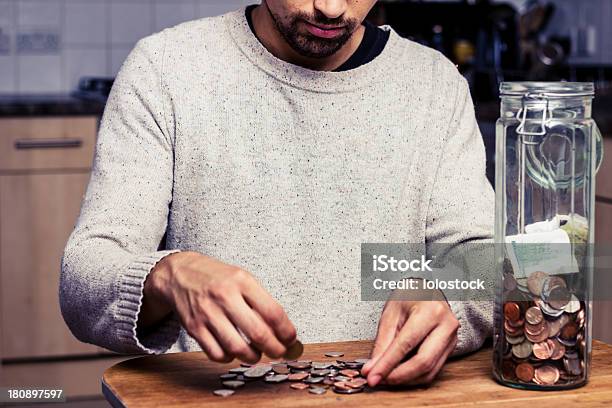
(547, 89)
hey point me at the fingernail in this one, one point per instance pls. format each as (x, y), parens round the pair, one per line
(373, 382)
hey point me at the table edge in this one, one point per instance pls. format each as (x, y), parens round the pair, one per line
(110, 396)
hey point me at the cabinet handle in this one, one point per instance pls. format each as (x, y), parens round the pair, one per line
(47, 143)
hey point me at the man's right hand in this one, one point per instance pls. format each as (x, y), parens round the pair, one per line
(213, 300)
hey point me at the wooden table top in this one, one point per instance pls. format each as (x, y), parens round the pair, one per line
(188, 379)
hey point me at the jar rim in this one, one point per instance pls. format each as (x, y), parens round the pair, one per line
(547, 89)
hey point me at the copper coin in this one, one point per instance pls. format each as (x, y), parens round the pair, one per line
(280, 369)
(349, 373)
(542, 350)
(299, 386)
(508, 369)
(297, 376)
(525, 372)
(512, 311)
(298, 365)
(535, 281)
(536, 329)
(329, 381)
(569, 331)
(512, 331)
(294, 351)
(357, 382)
(558, 349)
(517, 324)
(533, 315)
(547, 374)
(538, 338)
(341, 385)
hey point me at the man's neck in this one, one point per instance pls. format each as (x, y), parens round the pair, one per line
(272, 39)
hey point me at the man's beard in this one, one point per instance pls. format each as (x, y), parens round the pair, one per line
(309, 45)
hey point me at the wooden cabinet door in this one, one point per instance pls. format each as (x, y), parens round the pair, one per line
(37, 214)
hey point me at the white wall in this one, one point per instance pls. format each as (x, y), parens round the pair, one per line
(63, 40)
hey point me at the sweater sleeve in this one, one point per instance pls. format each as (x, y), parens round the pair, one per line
(461, 217)
(124, 213)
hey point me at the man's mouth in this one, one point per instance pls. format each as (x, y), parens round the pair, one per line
(324, 31)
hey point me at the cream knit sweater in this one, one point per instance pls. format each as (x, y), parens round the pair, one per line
(277, 168)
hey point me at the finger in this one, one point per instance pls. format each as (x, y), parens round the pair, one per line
(387, 330)
(416, 328)
(210, 346)
(254, 327)
(428, 378)
(425, 361)
(228, 337)
(271, 312)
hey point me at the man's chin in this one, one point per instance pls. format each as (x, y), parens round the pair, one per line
(316, 49)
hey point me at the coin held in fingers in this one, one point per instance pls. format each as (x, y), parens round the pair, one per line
(294, 351)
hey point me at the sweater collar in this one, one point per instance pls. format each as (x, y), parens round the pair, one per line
(308, 79)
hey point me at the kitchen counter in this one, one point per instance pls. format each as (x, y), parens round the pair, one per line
(48, 105)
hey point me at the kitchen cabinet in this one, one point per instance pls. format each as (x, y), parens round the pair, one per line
(45, 164)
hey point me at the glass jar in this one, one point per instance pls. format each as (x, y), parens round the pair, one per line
(548, 149)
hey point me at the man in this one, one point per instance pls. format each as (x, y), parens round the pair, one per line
(268, 144)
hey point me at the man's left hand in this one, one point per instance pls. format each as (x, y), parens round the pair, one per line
(428, 327)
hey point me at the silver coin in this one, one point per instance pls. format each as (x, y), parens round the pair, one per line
(321, 365)
(233, 384)
(573, 305)
(522, 350)
(317, 390)
(515, 340)
(223, 393)
(362, 360)
(238, 370)
(334, 354)
(276, 378)
(314, 380)
(257, 371)
(228, 376)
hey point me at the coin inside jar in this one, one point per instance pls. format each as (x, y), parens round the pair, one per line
(522, 350)
(543, 350)
(533, 315)
(525, 372)
(535, 281)
(512, 311)
(547, 374)
(558, 349)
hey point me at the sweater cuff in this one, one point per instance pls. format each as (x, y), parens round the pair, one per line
(131, 287)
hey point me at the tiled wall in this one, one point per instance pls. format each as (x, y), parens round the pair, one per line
(47, 45)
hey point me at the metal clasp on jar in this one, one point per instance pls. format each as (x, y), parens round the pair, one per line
(521, 115)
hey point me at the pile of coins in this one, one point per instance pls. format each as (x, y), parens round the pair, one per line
(341, 376)
(543, 341)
